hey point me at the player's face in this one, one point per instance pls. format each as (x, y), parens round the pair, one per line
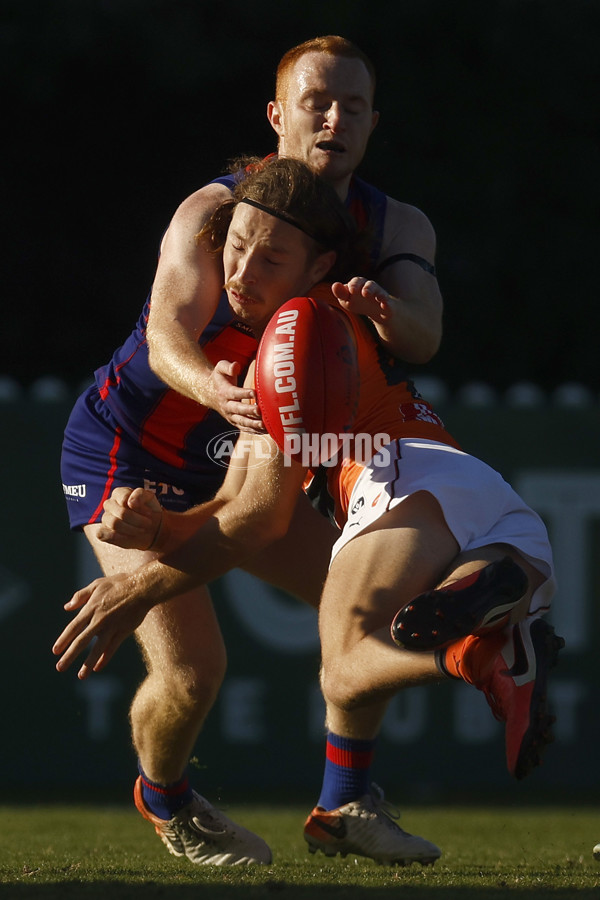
(327, 117)
(266, 262)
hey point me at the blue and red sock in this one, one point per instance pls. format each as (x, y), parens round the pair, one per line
(164, 800)
(347, 770)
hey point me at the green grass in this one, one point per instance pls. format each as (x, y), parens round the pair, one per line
(106, 853)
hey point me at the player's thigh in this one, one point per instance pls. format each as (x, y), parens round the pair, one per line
(182, 633)
(405, 552)
(298, 562)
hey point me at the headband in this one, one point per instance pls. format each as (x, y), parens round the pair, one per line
(283, 216)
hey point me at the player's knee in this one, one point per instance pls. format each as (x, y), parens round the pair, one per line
(340, 689)
(193, 690)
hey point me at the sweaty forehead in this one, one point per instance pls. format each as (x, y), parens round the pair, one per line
(324, 73)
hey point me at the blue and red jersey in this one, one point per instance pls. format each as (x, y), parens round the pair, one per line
(131, 429)
(174, 428)
(167, 425)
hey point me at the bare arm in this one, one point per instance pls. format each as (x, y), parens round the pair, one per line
(134, 519)
(185, 294)
(112, 608)
(405, 304)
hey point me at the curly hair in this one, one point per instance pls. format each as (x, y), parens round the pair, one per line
(289, 190)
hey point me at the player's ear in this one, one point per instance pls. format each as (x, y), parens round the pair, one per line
(322, 265)
(275, 116)
(374, 120)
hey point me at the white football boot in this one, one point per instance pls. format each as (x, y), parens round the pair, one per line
(205, 835)
(365, 827)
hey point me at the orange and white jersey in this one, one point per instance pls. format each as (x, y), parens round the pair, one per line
(388, 405)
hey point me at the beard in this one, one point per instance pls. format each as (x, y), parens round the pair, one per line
(247, 308)
(239, 288)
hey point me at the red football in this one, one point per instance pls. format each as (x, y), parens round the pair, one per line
(307, 379)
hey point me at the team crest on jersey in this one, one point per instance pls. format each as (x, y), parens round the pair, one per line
(419, 412)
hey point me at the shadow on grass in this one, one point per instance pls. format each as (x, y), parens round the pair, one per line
(271, 889)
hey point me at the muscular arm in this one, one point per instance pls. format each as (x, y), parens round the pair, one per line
(185, 294)
(246, 522)
(408, 312)
(251, 511)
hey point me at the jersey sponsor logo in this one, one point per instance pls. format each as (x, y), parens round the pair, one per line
(78, 491)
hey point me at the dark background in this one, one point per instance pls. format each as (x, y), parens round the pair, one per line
(114, 110)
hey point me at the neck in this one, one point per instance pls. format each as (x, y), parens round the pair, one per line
(342, 187)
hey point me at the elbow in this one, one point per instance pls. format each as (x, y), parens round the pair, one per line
(426, 344)
(427, 349)
(271, 531)
(266, 530)
(419, 352)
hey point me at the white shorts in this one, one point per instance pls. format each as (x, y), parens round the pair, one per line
(479, 507)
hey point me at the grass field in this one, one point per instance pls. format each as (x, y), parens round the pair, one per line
(110, 853)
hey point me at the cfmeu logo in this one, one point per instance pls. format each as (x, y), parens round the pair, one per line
(253, 450)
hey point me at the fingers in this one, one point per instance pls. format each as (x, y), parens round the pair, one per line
(131, 518)
(98, 657)
(363, 296)
(252, 426)
(227, 368)
(104, 657)
(236, 404)
(122, 500)
(101, 625)
(224, 378)
(74, 640)
(245, 416)
(340, 291)
(120, 495)
(143, 501)
(235, 396)
(80, 597)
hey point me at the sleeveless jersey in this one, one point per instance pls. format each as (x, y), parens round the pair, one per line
(173, 428)
(388, 404)
(365, 203)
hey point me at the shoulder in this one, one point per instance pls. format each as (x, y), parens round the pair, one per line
(407, 228)
(203, 201)
(194, 212)
(404, 215)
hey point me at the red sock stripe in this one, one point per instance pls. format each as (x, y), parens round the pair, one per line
(170, 790)
(348, 759)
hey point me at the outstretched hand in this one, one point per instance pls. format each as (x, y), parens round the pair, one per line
(364, 297)
(236, 404)
(133, 519)
(110, 609)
